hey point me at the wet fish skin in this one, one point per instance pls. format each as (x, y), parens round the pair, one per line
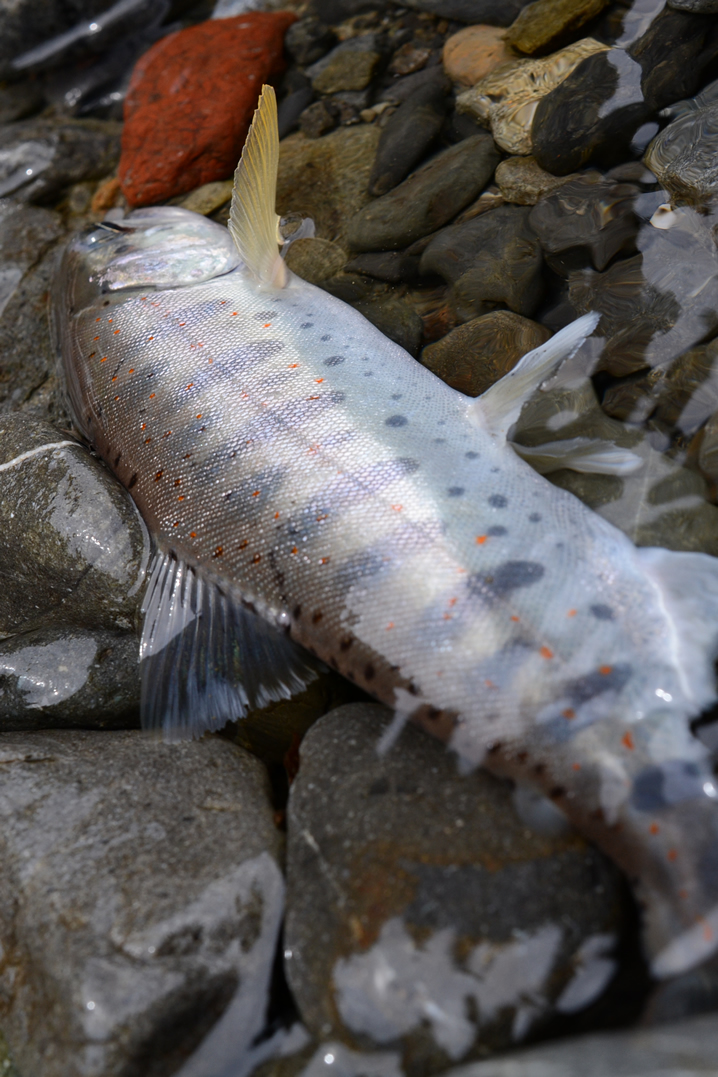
(283, 448)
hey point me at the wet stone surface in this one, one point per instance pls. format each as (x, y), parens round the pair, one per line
(132, 931)
(398, 863)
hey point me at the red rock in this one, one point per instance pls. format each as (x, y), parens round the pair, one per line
(191, 100)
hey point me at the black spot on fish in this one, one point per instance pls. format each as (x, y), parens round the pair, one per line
(263, 315)
(557, 792)
(346, 643)
(597, 683)
(334, 360)
(306, 325)
(515, 574)
(498, 501)
(336, 397)
(326, 337)
(316, 617)
(672, 782)
(535, 517)
(297, 612)
(602, 613)
(359, 567)
(369, 672)
(471, 455)
(117, 459)
(132, 481)
(440, 441)
(496, 531)
(455, 491)
(396, 420)
(396, 396)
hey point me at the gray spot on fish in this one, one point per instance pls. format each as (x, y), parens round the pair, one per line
(597, 683)
(472, 455)
(659, 787)
(496, 531)
(602, 613)
(506, 578)
(498, 501)
(334, 360)
(396, 420)
(535, 517)
(455, 491)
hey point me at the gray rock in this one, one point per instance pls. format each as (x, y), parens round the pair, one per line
(493, 12)
(589, 215)
(318, 119)
(349, 66)
(407, 136)
(291, 108)
(307, 40)
(683, 155)
(490, 260)
(73, 554)
(314, 259)
(396, 318)
(20, 100)
(412, 890)
(390, 266)
(26, 233)
(140, 903)
(428, 199)
(688, 1049)
(28, 22)
(403, 88)
(39, 158)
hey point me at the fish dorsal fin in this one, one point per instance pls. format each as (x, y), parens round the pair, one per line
(253, 222)
(499, 407)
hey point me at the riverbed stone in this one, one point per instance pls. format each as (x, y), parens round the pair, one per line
(136, 935)
(476, 354)
(428, 199)
(73, 555)
(39, 158)
(490, 260)
(406, 137)
(683, 155)
(493, 12)
(685, 1049)
(506, 100)
(523, 181)
(398, 863)
(315, 259)
(349, 66)
(470, 54)
(546, 25)
(307, 40)
(327, 178)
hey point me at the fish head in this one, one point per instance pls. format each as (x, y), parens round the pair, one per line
(150, 249)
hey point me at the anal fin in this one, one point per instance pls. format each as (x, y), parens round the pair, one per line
(588, 455)
(206, 659)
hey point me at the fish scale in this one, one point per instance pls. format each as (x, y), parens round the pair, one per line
(309, 485)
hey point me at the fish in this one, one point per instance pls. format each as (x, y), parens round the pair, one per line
(318, 498)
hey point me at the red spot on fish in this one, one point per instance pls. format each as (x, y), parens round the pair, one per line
(92, 355)
(158, 476)
(256, 493)
(98, 319)
(267, 325)
(682, 894)
(147, 441)
(243, 544)
(152, 395)
(515, 618)
(131, 370)
(193, 534)
(294, 549)
(190, 385)
(234, 313)
(199, 416)
(672, 855)
(114, 377)
(104, 359)
(654, 828)
(181, 497)
(95, 338)
(117, 398)
(452, 601)
(319, 380)
(166, 433)
(323, 560)
(109, 320)
(571, 613)
(292, 366)
(176, 523)
(397, 508)
(150, 338)
(545, 652)
(178, 482)
(276, 516)
(481, 539)
(390, 626)
(217, 552)
(143, 426)
(627, 741)
(183, 323)
(576, 766)
(489, 684)
(447, 616)
(605, 670)
(312, 398)
(115, 332)
(569, 713)
(256, 559)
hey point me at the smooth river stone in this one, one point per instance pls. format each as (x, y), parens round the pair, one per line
(428, 199)
(140, 903)
(349, 66)
(473, 52)
(406, 882)
(476, 354)
(493, 12)
(547, 24)
(40, 158)
(523, 181)
(507, 99)
(407, 136)
(603, 104)
(684, 156)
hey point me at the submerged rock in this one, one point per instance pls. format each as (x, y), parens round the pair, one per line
(684, 155)
(589, 215)
(191, 100)
(507, 99)
(476, 354)
(422, 915)
(315, 260)
(407, 136)
(349, 66)
(492, 259)
(73, 555)
(596, 112)
(327, 178)
(547, 24)
(308, 40)
(396, 318)
(136, 936)
(39, 158)
(687, 1049)
(428, 199)
(494, 12)
(20, 100)
(473, 52)
(522, 180)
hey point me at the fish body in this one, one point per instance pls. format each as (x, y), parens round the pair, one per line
(298, 469)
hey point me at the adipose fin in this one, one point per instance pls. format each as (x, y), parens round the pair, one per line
(253, 222)
(499, 407)
(205, 658)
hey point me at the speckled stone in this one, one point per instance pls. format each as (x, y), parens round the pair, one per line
(476, 354)
(545, 25)
(307, 40)
(683, 155)
(140, 903)
(208, 198)
(523, 181)
(327, 178)
(403, 873)
(507, 99)
(473, 52)
(428, 199)
(315, 260)
(349, 66)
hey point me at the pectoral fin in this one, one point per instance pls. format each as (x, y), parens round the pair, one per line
(500, 406)
(253, 222)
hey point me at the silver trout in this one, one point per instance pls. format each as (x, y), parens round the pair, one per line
(312, 490)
